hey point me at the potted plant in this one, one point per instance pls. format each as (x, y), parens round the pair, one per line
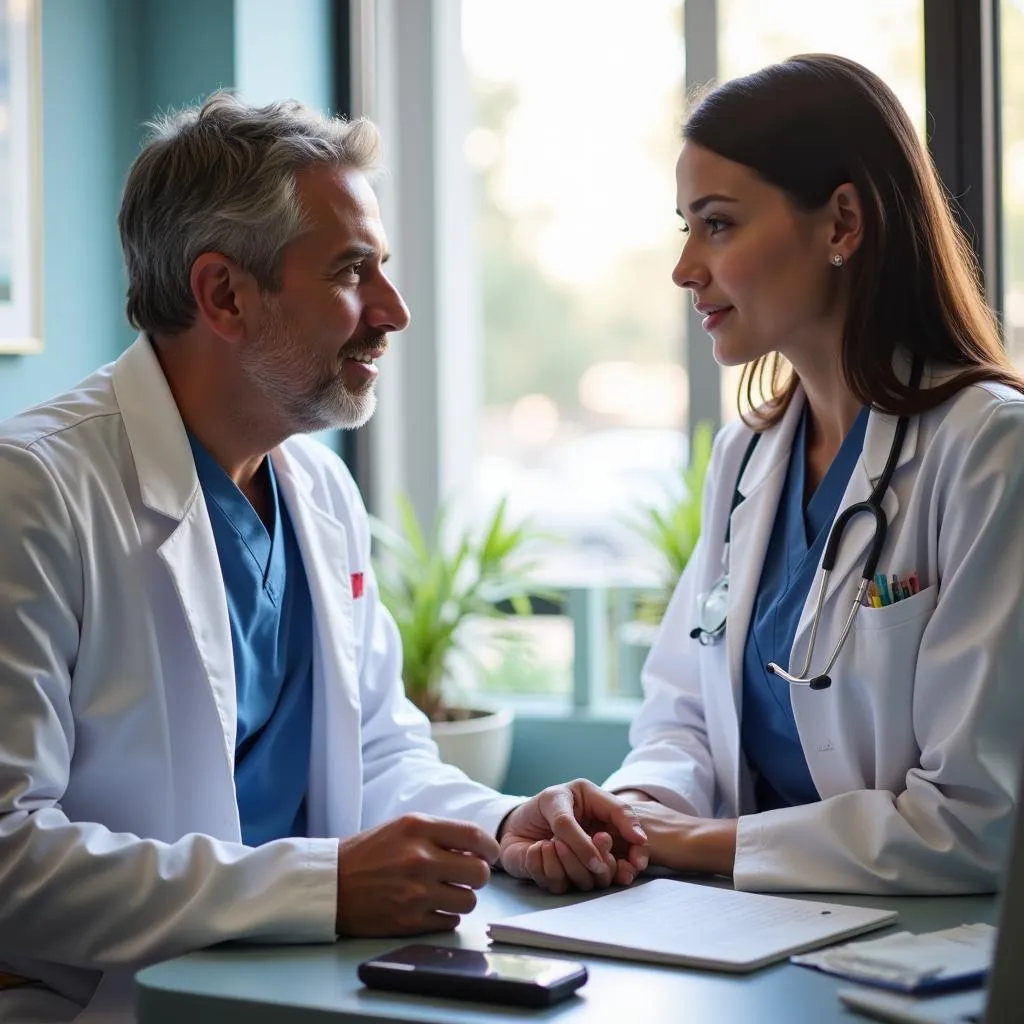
(671, 529)
(436, 587)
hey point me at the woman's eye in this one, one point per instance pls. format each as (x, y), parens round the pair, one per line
(714, 225)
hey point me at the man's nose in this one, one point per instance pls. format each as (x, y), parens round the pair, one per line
(388, 312)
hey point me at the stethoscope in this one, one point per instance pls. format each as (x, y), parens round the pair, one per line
(713, 606)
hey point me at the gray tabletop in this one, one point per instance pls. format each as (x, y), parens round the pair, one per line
(307, 984)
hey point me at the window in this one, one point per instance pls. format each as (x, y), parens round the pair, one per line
(886, 37)
(569, 369)
(573, 140)
(575, 112)
(1012, 39)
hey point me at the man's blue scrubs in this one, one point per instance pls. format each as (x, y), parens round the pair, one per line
(768, 730)
(271, 619)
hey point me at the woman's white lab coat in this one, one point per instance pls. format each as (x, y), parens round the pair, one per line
(916, 747)
(119, 829)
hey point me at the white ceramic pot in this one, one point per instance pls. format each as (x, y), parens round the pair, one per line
(479, 744)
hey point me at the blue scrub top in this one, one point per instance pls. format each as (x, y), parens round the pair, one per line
(768, 729)
(271, 618)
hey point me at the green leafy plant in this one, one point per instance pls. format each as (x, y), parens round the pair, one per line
(672, 529)
(435, 585)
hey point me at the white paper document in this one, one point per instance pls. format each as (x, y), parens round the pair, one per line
(670, 922)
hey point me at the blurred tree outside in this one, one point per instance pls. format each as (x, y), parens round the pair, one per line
(541, 333)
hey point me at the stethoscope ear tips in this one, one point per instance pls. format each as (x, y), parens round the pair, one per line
(695, 633)
(820, 683)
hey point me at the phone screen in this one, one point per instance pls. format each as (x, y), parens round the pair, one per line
(475, 963)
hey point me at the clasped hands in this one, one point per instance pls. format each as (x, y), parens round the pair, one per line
(417, 873)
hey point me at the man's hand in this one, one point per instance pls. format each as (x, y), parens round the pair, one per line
(412, 875)
(564, 836)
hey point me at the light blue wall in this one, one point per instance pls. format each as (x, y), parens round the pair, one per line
(108, 66)
(186, 50)
(547, 749)
(87, 85)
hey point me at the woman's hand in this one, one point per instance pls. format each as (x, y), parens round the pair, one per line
(683, 842)
(678, 841)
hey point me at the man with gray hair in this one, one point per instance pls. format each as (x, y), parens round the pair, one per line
(203, 733)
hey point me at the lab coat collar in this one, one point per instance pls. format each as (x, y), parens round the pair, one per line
(761, 487)
(324, 542)
(857, 536)
(882, 427)
(774, 447)
(753, 519)
(156, 434)
(169, 486)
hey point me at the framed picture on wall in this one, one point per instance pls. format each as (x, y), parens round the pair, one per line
(21, 300)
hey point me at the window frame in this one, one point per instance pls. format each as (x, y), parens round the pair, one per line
(407, 75)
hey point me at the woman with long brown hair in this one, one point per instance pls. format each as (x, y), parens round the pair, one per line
(835, 699)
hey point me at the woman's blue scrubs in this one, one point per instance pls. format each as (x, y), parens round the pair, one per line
(768, 728)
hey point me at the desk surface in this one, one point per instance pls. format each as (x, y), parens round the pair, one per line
(307, 984)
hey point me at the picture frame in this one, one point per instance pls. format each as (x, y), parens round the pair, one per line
(21, 302)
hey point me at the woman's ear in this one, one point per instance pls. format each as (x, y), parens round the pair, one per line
(847, 221)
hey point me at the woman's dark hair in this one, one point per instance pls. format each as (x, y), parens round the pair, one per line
(817, 121)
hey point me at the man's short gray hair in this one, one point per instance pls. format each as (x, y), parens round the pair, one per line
(220, 177)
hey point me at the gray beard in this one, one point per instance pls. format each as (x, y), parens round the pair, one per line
(307, 399)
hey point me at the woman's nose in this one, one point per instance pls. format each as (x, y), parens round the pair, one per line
(689, 272)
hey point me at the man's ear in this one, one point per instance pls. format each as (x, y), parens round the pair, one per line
(847, 221)
(226, 296)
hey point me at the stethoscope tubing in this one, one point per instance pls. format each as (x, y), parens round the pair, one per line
(873, 506)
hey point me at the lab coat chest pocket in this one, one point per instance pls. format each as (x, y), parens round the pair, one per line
(877, 676)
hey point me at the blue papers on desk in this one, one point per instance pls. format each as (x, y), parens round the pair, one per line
(902, 1008)
(930, 962)
(668, 922)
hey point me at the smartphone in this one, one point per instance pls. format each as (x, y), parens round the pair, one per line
(514, 978)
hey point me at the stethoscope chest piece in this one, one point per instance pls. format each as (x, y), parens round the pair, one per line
(713, 610)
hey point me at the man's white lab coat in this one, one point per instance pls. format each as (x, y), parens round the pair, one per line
(119, 829)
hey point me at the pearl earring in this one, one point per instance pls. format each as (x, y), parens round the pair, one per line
(837, 260)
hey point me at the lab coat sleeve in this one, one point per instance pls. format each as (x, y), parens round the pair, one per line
(401, 769)
(949, 829)
(670, 757)
(76, 892)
